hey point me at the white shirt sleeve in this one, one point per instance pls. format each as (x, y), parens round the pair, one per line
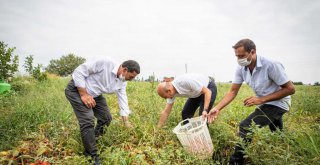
(123, 101)
(84, 70)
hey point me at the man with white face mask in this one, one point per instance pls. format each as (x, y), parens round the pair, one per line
(272, 88)
(84, 92)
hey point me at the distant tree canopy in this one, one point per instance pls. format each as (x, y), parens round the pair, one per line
(65, 65)
(151, 78)
(8, 62)
(298, 83)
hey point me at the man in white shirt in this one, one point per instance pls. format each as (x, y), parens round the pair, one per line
(200, 90)
(84, 92)
(272, 87)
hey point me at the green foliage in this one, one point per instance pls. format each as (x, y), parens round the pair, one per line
(65, 65)
(298, 83)
(28, 64)
(306, 100)
(36, 71)
(37, 74)
(8, 62)
(151, 78)
(42, 113)
(21, 84)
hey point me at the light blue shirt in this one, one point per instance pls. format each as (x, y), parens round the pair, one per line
(100, 77)
(266, 78)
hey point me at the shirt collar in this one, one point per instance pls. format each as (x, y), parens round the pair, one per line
(115, 69)
(258, 65)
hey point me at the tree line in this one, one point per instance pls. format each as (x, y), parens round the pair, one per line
(63, 66)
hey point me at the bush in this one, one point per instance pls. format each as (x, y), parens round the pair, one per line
(35, 72)
(9, 62)
(21, 84)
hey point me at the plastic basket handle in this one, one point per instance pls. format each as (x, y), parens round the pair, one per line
(184, 122)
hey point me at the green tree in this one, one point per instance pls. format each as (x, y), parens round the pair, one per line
(28, 64)
(298, 83)
(9, 62)
(151, 78)
(37, 74)
(65, 65)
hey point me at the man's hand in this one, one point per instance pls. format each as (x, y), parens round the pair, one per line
(164, 115)
(88, 101)
(213, 114)
(128, 124)
(204, 114)
(252, 101)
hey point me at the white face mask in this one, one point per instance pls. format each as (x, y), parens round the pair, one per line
(244, 62)
(122, 78)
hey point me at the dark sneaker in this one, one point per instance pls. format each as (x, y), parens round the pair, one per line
(234, 160)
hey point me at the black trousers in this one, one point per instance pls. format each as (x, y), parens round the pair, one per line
(192, 104)
(86, 116)
(265, 115)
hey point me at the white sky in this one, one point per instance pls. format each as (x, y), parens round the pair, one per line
(164, 35)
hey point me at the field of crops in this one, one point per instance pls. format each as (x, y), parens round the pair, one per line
(38, 124)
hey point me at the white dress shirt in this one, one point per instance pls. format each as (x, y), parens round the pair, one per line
(266, 78)
(189, 85)
(100, 77)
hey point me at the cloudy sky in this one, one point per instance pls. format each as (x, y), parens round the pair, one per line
(166, 35)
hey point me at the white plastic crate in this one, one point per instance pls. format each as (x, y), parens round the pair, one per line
(194, 137)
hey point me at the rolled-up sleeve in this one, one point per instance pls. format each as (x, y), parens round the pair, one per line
(238, 78)
(123, 101)
(277, 73)
(84, 70)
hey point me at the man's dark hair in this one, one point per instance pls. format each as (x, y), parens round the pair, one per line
(132, 66)
(246, 43)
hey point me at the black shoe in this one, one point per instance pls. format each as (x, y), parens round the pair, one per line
(235, 160)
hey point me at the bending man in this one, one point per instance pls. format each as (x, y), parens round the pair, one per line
(200, 90)
(84, 92)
